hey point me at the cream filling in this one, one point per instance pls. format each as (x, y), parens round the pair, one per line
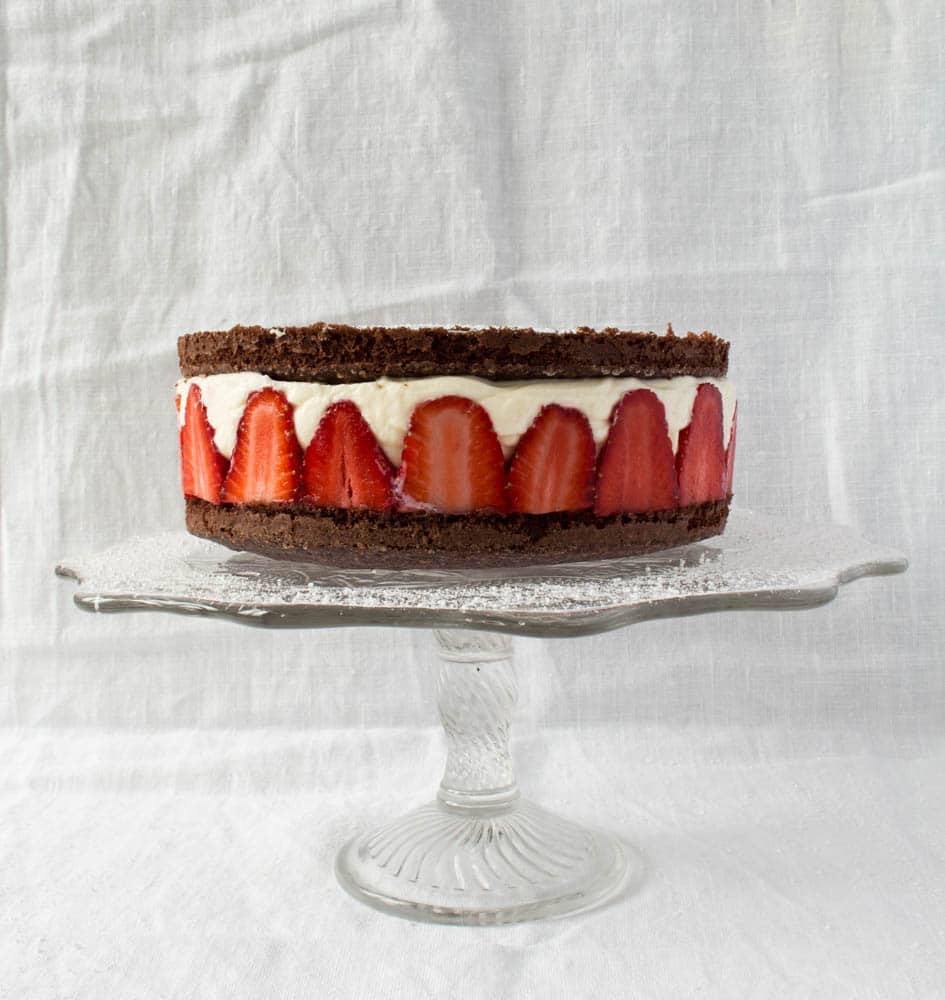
(387, 403)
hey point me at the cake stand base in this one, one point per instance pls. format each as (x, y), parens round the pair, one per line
(479, 854)
(522, 863)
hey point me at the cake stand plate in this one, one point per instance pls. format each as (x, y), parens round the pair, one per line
(479, 854)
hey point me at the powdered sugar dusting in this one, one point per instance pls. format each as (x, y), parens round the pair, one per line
(758, 562)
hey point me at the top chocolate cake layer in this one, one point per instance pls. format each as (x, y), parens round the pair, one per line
(334, 352)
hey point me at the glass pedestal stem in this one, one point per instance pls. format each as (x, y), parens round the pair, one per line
(479, 854)
(476, 693)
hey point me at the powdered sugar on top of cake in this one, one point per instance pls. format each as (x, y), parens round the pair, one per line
(387, 404)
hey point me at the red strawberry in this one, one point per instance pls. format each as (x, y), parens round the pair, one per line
(700, 457)
(730, 455)
(202, 467)
(344, 464)
(267, 460)
(452, 460)
(553, 467)
(636, 472)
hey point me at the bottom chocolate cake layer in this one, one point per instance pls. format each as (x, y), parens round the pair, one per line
(402, 540)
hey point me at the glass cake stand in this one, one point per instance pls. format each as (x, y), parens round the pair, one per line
(480, 854)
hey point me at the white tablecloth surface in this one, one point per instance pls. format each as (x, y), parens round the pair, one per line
(172, 791)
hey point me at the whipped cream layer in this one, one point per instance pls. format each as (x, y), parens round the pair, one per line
(387, 403)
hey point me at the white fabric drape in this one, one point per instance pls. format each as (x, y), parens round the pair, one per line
(173, 790)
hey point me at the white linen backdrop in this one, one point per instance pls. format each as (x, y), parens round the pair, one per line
(173, 789)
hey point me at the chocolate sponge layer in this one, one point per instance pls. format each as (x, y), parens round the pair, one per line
(333, 352)
(402, 540)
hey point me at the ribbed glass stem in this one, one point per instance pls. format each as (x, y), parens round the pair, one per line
(476, 692)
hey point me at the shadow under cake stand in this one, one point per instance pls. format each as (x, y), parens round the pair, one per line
(480, 854)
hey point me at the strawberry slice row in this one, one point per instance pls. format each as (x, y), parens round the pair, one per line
(554, 469)
(452, 461)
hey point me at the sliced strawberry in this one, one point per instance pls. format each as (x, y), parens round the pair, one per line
(553, 466)
(452, 460)
(636, 472)
(700, 457)
(344, 465)
(267, 460)
(730, 455)
(202, 467)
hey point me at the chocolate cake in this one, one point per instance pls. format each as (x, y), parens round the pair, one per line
(452, 446)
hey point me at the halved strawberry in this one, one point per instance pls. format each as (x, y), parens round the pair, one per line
(202, 467)
(344, 465)
(553, 465)
(267, 460)
(452, 460)
(700, 457)
(635, 472)
(730, 455)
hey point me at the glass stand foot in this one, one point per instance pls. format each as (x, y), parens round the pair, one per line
(479, 854)
(522, 863)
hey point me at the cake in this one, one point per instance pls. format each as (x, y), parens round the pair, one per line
(454, 446)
